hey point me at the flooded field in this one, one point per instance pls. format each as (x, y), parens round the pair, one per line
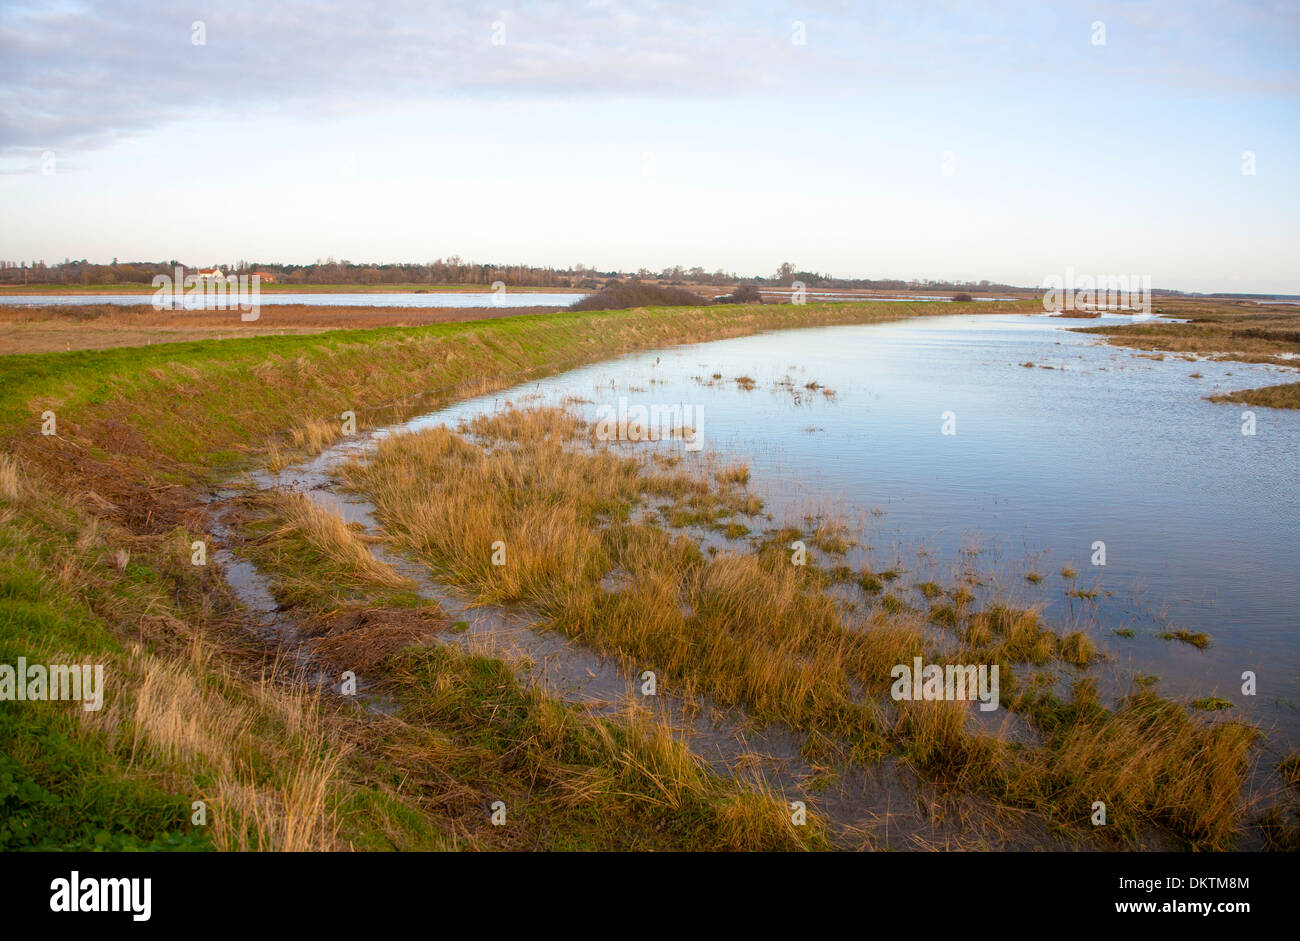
(1059, 443)
(314, 299)
(1000, 455)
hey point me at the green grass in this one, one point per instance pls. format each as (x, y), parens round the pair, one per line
(60, 789)
(206, 404)
(1198, 639)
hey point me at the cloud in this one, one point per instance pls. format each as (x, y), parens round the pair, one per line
(80, 75)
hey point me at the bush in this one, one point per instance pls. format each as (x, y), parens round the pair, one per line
(619, 296)
(962, 297)
(745, 294)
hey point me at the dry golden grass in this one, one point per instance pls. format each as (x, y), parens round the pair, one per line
(1150, 759)
(935, 738)
(328, 534)
(634, 765)
(9, 477)
(194, 718)
(1286, 395)
(1003, 633)
(754, 631)
(175, 712)
(170, 419)
(734, 474)
(314, 435)
(746, 629)
(1243, 331)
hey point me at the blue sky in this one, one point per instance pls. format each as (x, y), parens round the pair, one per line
(914, 140)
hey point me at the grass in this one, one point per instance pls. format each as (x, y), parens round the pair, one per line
(751, 631)
(734, 474)
(95, 566)
(1198, 639)
(9, 477)
(1290, 768)
(209, 406)
(193, 714)
(201, 710)
(178, 724)
(621, 296)
(1286, 395)
(576, 780)
(1239, 331)
(929, 589)
(562, 514)
(320, 559)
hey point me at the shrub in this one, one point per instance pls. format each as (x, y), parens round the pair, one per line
(745, 294)
(619, 296)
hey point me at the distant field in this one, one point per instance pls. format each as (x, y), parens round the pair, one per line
(104, 326)
(59, 328)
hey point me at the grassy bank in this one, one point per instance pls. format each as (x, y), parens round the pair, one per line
(202, 407)
(96, 565)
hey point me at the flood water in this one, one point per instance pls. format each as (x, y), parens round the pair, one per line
(1199, 521)
(266, 299)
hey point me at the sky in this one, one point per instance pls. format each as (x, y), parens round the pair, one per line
(1008, 141)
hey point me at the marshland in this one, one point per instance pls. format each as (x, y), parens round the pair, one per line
(433, 512)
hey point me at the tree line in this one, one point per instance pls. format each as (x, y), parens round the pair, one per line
(453, 271)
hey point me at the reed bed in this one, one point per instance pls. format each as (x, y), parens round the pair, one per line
(522, 508)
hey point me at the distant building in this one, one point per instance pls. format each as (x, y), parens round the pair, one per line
(265, 277)
(208, 274)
